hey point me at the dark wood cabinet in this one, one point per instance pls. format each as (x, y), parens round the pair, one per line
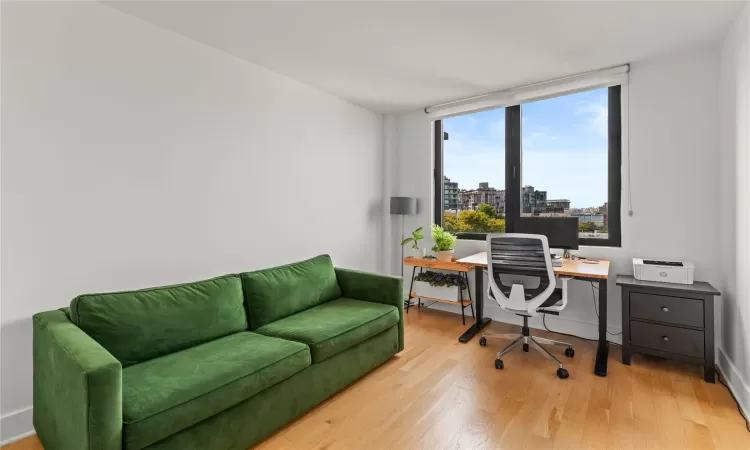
(669, 320)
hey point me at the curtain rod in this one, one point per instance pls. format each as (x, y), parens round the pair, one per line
(609, 70)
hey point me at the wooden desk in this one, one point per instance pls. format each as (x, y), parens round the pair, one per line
(455, 265)
(579, 270)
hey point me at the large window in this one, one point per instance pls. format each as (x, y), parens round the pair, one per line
(556, 157)
(474, 172)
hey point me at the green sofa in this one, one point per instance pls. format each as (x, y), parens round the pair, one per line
(215, 364)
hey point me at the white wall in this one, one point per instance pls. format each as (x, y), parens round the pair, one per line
(673, 136)
(134, 157)
(734, 208)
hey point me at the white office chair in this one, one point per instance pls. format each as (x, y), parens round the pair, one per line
(522, 281)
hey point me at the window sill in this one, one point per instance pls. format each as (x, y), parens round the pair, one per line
(467, 236)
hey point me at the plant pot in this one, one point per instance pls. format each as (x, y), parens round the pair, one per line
(419, 253)
(445, 255)
(448, 293)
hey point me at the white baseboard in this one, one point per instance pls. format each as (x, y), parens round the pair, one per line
(736, 383)
(16, 425)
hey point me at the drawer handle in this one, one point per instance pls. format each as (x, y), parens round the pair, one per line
(665, 338)
(665, 309)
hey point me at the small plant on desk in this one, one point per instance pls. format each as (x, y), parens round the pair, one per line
(416, 235)
(445, 242)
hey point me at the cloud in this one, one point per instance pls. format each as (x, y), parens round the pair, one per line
(551, 172)
(496, 130)
(596, 116)
(539, 141)
(470, 161)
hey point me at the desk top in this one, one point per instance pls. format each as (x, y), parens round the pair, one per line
(435, 264)
(570, 267)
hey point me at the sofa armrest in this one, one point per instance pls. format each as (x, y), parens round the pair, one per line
(376, 288)
(77, 387)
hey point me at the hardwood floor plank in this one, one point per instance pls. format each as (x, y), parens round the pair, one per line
(441, 394)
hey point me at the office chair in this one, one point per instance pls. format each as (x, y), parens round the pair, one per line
(522, 281)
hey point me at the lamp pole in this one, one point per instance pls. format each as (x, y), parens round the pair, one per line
(403, 206)
(402, 247)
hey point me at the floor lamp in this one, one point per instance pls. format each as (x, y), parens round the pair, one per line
(403, 206)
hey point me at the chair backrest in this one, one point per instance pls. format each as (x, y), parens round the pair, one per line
(521, 273)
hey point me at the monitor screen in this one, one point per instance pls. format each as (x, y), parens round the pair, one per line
(561, 232)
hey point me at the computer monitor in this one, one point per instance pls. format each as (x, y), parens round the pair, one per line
(561, 232)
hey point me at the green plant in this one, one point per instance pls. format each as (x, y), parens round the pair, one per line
(442, 279)
(416, 235)
(443, 239)
(473, 221)
(587, 227)
(489, 210)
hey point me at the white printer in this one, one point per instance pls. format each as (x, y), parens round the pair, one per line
(663, 270)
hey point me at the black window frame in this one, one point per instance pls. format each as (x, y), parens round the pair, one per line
(513, 165)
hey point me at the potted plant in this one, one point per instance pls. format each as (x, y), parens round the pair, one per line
(416, 235)
(441, 286)
(444, 241)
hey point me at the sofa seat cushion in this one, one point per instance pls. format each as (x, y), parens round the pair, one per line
(334, 327)
(165, 395)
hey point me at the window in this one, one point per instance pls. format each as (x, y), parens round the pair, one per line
(563, 160)
(474, 173)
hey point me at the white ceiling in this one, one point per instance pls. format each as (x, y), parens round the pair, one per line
(399, 56)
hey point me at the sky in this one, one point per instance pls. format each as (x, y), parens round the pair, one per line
(563, 148)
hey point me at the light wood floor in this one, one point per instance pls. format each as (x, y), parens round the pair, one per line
(441, 394)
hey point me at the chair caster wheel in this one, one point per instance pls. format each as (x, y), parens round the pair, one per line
(526, 348)
(569, 352)
(483, 342)
(499, 364)
(562, 373)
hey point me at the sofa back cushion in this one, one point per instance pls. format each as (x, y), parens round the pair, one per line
(272, 294)
(140, 325)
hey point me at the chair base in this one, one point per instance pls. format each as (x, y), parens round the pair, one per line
(525, 339)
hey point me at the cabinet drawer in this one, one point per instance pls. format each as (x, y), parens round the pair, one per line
(666, 338)
(663, 308)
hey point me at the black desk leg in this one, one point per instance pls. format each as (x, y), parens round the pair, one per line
(602, 350)
(481, 321)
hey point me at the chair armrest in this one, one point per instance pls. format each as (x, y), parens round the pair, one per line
(560, 305)
(375, 288)
(77, 387)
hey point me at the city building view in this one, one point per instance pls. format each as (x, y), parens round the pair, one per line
(450, 194)
(472, 198)
(483, 209)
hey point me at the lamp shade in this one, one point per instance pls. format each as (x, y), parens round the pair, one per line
(403, 205)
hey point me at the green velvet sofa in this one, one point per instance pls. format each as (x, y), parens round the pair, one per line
(215, 364)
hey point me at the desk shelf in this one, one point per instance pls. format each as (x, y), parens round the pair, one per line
(453, 266)
(464, 303)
